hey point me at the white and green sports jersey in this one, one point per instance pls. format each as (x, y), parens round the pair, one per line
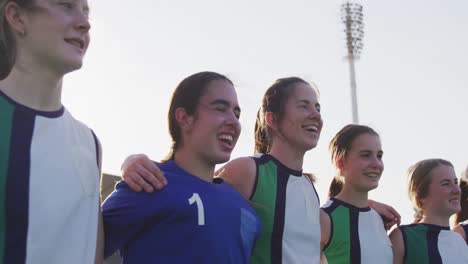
(433, 244)
(288, 206)
(49, 187)
(357, 235)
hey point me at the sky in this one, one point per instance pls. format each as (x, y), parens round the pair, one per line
(412, 80)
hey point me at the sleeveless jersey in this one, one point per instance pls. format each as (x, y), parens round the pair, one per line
(288, 206)
(189, 221)
(49, 187)
(433, 244)
(357, 235)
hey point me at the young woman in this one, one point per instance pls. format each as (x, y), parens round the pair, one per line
(195, 219)
(49, 168)
(287, 126)
(433, 189)
(461, 218)
(352, 232)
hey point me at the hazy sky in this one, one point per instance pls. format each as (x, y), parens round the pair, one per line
(412, 77)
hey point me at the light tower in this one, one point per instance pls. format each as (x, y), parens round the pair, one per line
(351, 15)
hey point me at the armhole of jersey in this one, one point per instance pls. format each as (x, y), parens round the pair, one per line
(318, 198)
(330, 237)
(404, 244)
(254, 189)
(96, 145)
(328, 210)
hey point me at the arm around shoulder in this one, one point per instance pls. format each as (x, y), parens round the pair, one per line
(240, 173)
(396, 236)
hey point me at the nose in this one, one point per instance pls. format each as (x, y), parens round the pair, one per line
(83, 24)
(456, 189)
(233, 121)
(377, 162)
(315, 114)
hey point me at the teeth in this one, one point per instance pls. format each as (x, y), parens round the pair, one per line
(226, 137)
(312, 128)
(75, 43)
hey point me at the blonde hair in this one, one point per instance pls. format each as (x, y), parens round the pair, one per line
(419, 179)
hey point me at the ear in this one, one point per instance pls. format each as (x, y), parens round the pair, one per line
(340, 164)
(184, 120)
(270, 119)
(15, 17)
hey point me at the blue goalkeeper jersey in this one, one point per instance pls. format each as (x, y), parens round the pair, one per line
(189, 221)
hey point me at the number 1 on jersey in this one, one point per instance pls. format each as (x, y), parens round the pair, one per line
(201, 212)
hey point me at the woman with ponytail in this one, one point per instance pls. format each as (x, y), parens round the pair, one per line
(352, 232)
(288, 125)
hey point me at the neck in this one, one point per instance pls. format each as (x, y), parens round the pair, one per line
(436, 220)
(194, 164)
(357, 198)
(33, 89)
(291, 158)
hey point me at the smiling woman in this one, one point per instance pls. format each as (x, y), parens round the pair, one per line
(41, 144)
(352, 232)
(195, 218)
(433, 189)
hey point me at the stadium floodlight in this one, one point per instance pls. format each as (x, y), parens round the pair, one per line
(352, 17)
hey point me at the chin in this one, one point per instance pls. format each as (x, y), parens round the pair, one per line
(222, 158)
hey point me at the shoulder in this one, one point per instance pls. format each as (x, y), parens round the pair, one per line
(398, 245)
(124, 197)
(240, 174)
(325, 228)
(396, 236)
(239, 165)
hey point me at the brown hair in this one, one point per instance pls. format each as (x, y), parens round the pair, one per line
(274, 101)
(187, 95)
(7, 38)
(419, 179)
(340, 146)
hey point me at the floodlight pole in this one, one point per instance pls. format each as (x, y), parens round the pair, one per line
(351, 15)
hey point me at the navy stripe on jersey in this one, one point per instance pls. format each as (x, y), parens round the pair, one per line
(278, 226)
(17, 196)
(257, 164)
(432, 246)
(318, 198)
(96, 145)
(354, 230)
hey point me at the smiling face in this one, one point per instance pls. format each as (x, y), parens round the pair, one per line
(443, 195)
(56, 34)
(301, 124)
(363, 165)
(214, 128)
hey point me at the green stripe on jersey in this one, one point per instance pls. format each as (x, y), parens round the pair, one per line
(416, 248)
(339, 249)
(264, 202)
(6, 121)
